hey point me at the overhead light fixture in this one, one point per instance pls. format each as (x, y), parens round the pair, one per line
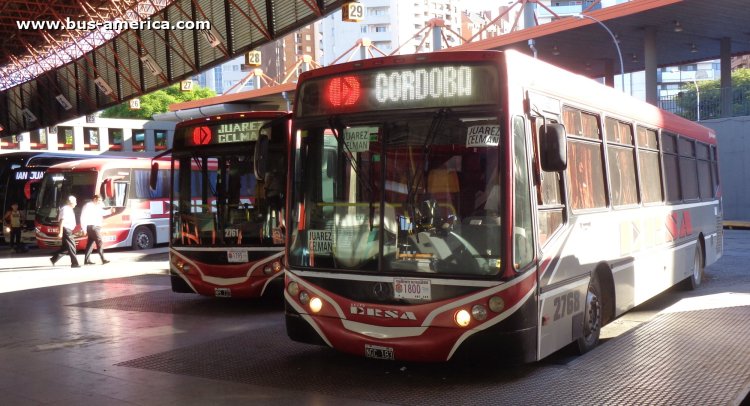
(635, 58)
(555, 50)
(677, 26)
(588, 65)
(693, 48)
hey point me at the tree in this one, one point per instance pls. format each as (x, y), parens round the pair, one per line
(157, 102)
(710, 97)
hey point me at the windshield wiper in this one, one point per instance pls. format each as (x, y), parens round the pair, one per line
(197, 161)
(414, 183)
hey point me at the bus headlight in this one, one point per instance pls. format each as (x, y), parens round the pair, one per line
(479, 312)
(316, 304)
(304, 297)
(497, 304)
(276, 266)
(462, 318)
(292, 288)
(267, 270)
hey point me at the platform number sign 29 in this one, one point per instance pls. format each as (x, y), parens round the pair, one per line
(353, 12)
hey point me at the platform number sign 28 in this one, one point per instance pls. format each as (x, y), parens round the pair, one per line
(353, 11)
(567, 304)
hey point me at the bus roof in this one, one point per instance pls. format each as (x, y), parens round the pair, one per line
(102, 163)
(534, 74)
(251, 115)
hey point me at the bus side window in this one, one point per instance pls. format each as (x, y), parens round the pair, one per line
(621, 160)
(549, 197)
(585, 168)
(121, 194)
(523, 241)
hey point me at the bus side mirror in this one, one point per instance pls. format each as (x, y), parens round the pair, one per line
(260, 158)
(154, 175)
(109, 188)
(554, 147)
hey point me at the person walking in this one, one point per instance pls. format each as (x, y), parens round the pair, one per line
(12, 219)
(67, 225)
(92, 216)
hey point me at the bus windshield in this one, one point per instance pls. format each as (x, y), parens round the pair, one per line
(404, 195)
(218, 201)
(56, 187)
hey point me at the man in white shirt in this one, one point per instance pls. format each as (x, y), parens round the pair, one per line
(92, 216)
(67, 225)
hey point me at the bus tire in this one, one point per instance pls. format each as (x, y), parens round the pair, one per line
(143, 238)
(696, 275)
(592, 317)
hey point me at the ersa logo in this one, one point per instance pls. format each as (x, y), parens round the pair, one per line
(382, 313)
(201, 135)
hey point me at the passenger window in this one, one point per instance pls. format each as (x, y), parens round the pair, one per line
(585, 168)
(671, 169)
(650, 173)
(523, 241)
(549, 198)
(621, 163)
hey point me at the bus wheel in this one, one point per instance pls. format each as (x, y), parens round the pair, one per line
(143, 238)
(592, 317)
(696, 276)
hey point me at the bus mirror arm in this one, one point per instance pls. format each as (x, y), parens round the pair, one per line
(260, 158)
(554, 149)
(154, 175)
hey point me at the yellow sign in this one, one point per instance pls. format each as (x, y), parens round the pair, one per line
(186, 85)
(352, 12)
(252, 58)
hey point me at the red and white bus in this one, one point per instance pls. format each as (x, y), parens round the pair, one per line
(486, 204)
(140, 219)
(20, 176)
(226, 221)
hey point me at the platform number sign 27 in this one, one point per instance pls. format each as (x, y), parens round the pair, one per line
(353, 12)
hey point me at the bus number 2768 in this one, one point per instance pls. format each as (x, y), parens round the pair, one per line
(567, 304)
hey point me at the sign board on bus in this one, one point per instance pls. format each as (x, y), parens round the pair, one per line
(409, 86)
(219, 133)
(29, 175)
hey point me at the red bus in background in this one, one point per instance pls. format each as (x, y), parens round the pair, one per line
(227, 237)
(20, 176)
(141, 216)
(486, 204)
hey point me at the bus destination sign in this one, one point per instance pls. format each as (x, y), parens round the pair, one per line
(422, 86)
(224, 133)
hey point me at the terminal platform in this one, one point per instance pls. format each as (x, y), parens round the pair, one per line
(116, 334)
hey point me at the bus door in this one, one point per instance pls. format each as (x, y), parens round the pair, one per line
(114, 191)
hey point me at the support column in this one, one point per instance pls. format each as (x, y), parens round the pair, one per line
(437, 38)
(529, 12)
(726, 77)
(609, 74)
(649, 46)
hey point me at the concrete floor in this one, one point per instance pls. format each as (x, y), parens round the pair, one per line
(115, 334)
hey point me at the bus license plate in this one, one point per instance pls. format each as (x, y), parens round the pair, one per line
(378, 352)
(237, 256)
(222, 292)
(419, 289)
